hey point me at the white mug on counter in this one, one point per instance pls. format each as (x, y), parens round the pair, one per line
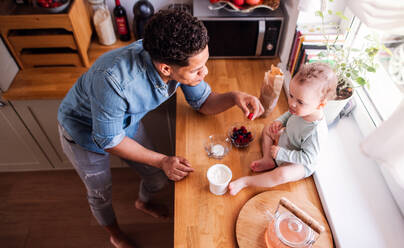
(219, 176)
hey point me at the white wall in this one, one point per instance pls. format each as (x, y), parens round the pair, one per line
(157, 4)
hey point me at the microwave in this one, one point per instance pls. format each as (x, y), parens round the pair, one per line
(241, 35)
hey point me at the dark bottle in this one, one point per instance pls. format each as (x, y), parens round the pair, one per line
(142, 12)
(121, 21)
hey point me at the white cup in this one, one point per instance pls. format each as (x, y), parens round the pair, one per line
(219, 176)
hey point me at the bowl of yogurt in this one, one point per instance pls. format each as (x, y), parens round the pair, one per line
(217, 146)
(219, 176)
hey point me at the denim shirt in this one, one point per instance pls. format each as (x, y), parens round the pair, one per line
(108, 101)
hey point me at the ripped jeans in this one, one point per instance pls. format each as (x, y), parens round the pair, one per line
(94, 171)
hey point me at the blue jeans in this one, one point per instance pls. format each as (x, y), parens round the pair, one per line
(94, 171)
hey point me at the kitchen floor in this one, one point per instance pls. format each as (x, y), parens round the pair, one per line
(49, 209)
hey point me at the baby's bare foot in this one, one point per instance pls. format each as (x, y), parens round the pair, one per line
(122, 242)
(155, 210)
(262, 165)
(237, 185)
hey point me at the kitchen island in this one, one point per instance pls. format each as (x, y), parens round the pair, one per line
(202, 219)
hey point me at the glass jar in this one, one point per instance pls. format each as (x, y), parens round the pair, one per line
(102, 21)
(291, 227)
(288, 231)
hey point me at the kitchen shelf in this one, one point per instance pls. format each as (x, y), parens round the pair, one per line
(25, 28)
(53, 82)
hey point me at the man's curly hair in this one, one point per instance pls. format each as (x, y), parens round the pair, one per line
(172, 36)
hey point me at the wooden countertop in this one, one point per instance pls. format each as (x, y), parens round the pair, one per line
(202, 219)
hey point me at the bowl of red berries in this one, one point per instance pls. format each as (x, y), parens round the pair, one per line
(241, 135)
(52, 6)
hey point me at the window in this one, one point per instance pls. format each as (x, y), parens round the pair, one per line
(386, 92)
(386, 88)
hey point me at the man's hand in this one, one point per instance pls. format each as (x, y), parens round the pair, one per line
(176, 168)
(274, 151)
(246, 101)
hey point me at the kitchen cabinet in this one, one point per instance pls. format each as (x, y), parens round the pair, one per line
(160, 126)
(40, 118)
(19, 151)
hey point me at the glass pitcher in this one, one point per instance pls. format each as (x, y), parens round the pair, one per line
(291, 227)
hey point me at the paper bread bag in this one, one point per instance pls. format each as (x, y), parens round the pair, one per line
(271, 89)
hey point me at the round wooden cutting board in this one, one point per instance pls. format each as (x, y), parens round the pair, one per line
(253, 219)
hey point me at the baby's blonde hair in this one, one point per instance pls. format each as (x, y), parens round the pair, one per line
(319, 73)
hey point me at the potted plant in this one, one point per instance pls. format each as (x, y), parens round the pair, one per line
(353, 66)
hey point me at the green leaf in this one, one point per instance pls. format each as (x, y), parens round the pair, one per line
(319, 13)
(361, 81)
(339, 13)
(330, 12)
(372, 51)
(371, 69)
(322, 54)
(330, 1)
(354, 74)
(348, 75)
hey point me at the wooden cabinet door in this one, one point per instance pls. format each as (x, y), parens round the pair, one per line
(19, 151)
(40, 116)
(160, 127)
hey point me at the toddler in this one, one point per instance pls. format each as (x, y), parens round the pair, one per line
(291, 143)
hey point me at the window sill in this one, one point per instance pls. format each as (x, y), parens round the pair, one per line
(359, 206)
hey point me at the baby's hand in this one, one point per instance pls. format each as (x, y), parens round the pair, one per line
(275, 127)
(274, 151)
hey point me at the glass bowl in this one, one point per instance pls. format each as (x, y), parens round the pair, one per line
(217, 146)
(241, 135)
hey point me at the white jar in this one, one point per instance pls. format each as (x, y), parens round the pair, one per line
(219, 176)
(102, 21)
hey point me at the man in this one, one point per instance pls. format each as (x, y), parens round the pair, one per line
(102, 113)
